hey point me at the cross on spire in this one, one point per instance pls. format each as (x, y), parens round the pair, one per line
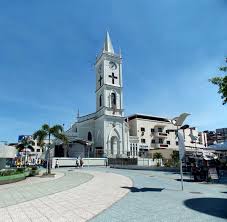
(113, 77)
(100, 80)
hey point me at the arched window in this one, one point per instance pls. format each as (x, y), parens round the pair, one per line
(113, 99)
(89, 136)
(100, 100)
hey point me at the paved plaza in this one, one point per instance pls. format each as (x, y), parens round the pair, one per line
(104, 194)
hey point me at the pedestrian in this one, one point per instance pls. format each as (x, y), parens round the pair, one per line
(81, 162)
(56, 164)
(77, 163)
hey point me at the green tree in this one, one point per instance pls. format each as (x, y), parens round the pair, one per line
(157, 156)
(25, 144)
(47, 132)
(221, 82)
(175, 157)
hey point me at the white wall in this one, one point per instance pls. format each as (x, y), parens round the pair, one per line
(72, 161)
(149, 162)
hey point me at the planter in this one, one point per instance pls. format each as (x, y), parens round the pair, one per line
(12, 178)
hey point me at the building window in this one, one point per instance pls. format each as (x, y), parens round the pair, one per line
(152, 130)
(167, 131)
(160, 130)
(113, 100)
(168, 142)
(100, 100)
(160, 141)
(38, 150)
(143, 141)
(89, 136)
(177, 143)
(152, 141)
(142, 129)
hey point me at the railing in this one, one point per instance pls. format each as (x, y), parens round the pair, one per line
(122, 161)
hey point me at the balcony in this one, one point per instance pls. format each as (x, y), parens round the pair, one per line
(161, 146)
(159, 134)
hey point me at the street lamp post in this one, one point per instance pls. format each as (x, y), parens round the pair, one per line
(178, 122)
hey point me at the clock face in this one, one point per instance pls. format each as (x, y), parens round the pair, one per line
(112, 65)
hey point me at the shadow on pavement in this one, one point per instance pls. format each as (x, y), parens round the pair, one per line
(186, 180)
(212, 206)
(144, 189)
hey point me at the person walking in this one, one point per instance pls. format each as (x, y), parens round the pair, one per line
(77, 163)
(56, 164)
(81, 162)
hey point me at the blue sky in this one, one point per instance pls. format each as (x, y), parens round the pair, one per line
(170, 49)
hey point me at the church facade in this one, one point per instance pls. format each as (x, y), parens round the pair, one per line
(107, 133)
(104, 132)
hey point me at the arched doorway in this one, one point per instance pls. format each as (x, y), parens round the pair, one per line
(114, 146)
(89, 136)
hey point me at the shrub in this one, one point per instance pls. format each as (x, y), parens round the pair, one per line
(7, 172)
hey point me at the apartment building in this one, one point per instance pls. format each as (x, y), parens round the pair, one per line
(150, 134)
(217, 136)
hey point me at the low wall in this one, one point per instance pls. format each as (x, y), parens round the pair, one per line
(12, 178)
(67, 161)
(148, 162)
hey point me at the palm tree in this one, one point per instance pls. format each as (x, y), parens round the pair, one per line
(157, 156)
(46, 132)
(175, 157)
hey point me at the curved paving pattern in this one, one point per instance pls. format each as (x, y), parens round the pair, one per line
(76, 204)
(36, 187)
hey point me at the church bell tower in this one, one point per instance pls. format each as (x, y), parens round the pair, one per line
(109, 99)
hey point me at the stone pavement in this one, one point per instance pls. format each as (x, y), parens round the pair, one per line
(78, 196)
(36, 187)
(157, 196)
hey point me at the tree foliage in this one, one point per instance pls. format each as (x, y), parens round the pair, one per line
(157, 156)
(25, 143)
(46, 132)
(221, 82)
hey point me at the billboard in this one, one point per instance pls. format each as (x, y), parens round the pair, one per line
(21, 137)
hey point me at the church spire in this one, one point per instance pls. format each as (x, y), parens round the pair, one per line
(108, 44)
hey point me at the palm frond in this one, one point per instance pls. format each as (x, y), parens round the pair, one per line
(62, 137)
(45, 127)
(40, 136)
(56, 129)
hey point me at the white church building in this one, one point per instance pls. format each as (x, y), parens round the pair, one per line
(106, 132)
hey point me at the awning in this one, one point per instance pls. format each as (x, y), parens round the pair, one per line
(219, 146)
(203, 154)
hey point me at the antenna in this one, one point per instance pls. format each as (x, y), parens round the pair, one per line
(78, 114)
